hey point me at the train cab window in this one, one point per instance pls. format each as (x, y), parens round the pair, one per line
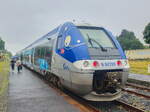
(96, 37)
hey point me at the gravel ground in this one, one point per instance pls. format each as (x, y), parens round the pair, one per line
(132, 99)
(136, 101)
(108, 107)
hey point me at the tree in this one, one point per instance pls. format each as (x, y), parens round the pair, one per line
(128, 40)
(146, 34)
(2, 44)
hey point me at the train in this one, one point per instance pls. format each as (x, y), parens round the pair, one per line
(85, 59)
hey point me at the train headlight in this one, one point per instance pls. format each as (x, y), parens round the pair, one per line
(119, 63)
(85, 63)
(95, 64)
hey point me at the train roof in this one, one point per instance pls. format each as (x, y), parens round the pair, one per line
(43, 37)
(57, 30)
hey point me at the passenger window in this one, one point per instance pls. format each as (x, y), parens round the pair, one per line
(48, 52)
(59, 43)
(42, 52)
(35, 53)
(38, 52)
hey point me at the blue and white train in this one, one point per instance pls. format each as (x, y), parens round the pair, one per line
(87, 60)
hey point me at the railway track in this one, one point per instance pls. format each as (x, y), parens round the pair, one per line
(135, 86)
(138, 96)
(129, 107)
(138, 86)
(137, 93)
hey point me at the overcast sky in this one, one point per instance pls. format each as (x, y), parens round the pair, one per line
(23, 21)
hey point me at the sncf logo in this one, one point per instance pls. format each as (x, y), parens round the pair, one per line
(65, 66)
(108, 64)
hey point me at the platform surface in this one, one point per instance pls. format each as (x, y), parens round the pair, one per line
(28, 93)
(139, 77)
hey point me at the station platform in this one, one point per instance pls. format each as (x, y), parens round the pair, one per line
(139, 77)
(28, 93)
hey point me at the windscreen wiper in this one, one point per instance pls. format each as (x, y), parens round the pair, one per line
(90, 39)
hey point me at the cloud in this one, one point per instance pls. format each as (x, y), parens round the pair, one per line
(23, 21)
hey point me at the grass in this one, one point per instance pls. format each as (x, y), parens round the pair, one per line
(139, 66)
(4, 71)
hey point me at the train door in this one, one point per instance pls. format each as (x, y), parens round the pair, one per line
(37, 53)
(32, 57)
(29, 57)
(63, 63)
(48, 53)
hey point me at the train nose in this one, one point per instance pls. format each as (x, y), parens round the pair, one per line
(107, 85)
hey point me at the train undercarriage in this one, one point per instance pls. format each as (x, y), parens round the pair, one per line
(107, 81)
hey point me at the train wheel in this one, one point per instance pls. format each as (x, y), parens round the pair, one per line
(46, 77)
(59, 84)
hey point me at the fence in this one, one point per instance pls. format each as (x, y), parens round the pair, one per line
(138, 54)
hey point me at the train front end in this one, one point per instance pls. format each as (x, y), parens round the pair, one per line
(99, 68)
(107, 63)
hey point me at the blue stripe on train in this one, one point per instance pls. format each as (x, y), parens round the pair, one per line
(75, 51)
(79, 51)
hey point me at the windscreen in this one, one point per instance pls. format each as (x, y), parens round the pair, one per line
(96, 37)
